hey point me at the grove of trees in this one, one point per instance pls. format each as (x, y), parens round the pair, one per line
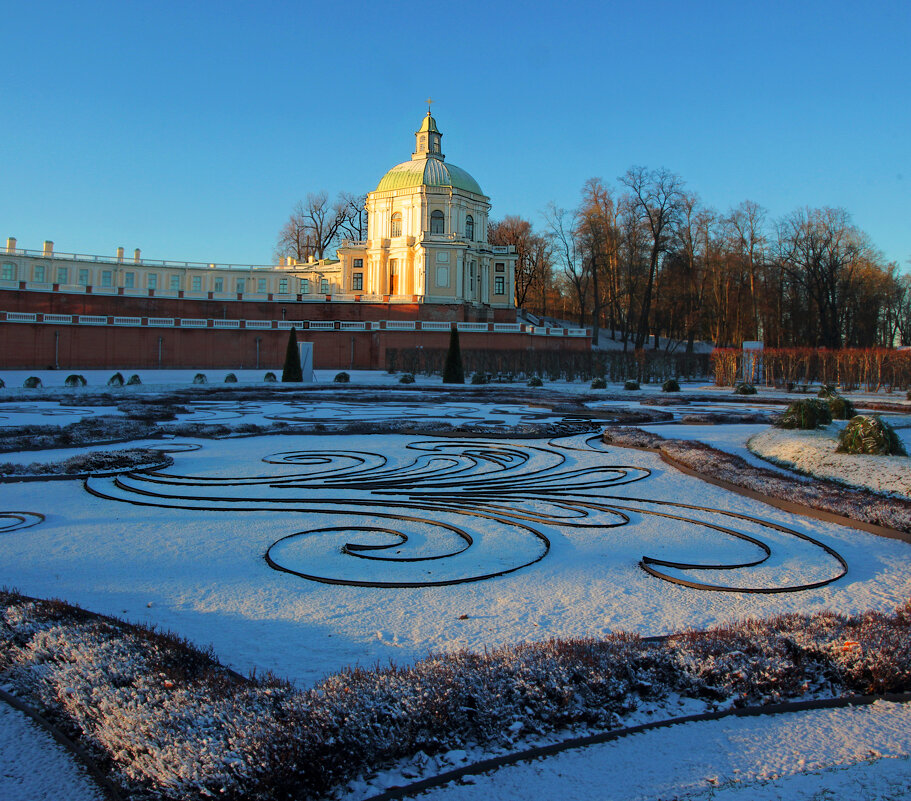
(316, 225)
(647, 261)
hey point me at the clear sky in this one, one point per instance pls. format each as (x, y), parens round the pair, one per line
(190, 129)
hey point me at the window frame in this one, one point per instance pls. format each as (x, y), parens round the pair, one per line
(395, 225)
(437, 221)
(469, 228)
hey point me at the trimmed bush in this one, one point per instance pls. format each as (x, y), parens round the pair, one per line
(200, 378)
(872, 435)
(599, 383)
(230, 378)
(479, 378)
(32, 382)
(342, 378)
(134, 380)
(453, 372)
(806, 414)
(292, 371)
(116, 380)
(534, 381)
(670, 385)
(841, 408)
(75, 380)
(631, 385)
(270, 378)
(407, 378)
(744, 389)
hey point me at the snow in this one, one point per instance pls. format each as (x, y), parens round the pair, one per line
(198, 569)
(813, 452)
(856, 752)
(34, 767)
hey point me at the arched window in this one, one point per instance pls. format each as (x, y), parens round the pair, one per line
(396, 229)
(436, 222)
(469, 228)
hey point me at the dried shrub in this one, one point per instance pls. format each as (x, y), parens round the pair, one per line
(200, 378)
(535, 381)
(841, 408)
(270, 378)
(872, 435)
(342, 378)
(599, 383)
(407, 378)
(134, 380)
(671, 385)
(230, 378)
(479, 378)
(631, 385)
(32, 382)
(116, 380)
(75, 380)
(744, 389)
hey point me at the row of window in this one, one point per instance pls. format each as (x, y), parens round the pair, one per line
(82, 276)
(437, 225)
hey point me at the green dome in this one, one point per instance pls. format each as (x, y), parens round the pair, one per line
(428, 172)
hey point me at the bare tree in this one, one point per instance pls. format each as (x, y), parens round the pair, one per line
(533, 260)
(562, 227)
(354, 224)
(747, 221)
(313, 226)
(656, 196)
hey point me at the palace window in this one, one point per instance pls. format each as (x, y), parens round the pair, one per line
(129, 280)
(219, 285)
(357, 282)
(283, 286)
(261, 285)
(305, 286)
(499, 285)
(324, 286)
(63, 275)
(499, 267)
(437, 225)
(39, 273)
(175, 283)
(197, 283)
(358, 264)
(469, 228)
(84, 277)
(239, 286)
(396, 229)
(107, 278)
(8, 272)
(152, 281)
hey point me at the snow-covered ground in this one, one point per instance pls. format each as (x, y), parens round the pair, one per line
(185, 550)
(814, 452)
(34, 767)
(861, 753)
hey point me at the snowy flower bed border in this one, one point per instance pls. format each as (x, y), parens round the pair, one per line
(883, 515)
(813, 453)
(167, 721)
(96, 463)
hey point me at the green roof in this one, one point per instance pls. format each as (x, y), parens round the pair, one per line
(428, 172)
(429, 125)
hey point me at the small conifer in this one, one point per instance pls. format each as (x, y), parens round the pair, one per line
(292, 369)
(453, 372)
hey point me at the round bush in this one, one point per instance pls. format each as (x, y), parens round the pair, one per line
(744, 389)
(116, 380)
(670, 385)
(32, 382)
(872, 435)
(407, 378)
(270, 378)
(230, 378)
(534, 381)
(75, 380)
(826, 391)
(599, 383)
(200, 378)
(478, 378)
(806, 414)
(342, 378)
(631, 385)
(134, 380)
(841, 408)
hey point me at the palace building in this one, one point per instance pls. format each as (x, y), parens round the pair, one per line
(426, 265)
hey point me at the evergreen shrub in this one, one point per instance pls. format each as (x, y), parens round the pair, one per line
(200, 378)
(534, 381)
(744, 389)
(270, 378)
(631, 385)
(806, 414)
(670, 385)
(870, 434)
(599, 383)
(116, 380)
(292, 372)
(230, 378)
(134, 380)
(407, 378)
(479, 378)
(75, 380)
(453, 372)
(342, 378)
(32, 382)
(841, 408)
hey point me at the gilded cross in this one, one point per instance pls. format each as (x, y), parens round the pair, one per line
(428, 101)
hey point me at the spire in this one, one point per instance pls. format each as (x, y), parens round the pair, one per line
(428, 138)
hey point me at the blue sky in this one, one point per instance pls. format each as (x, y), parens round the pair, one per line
(191, 129)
